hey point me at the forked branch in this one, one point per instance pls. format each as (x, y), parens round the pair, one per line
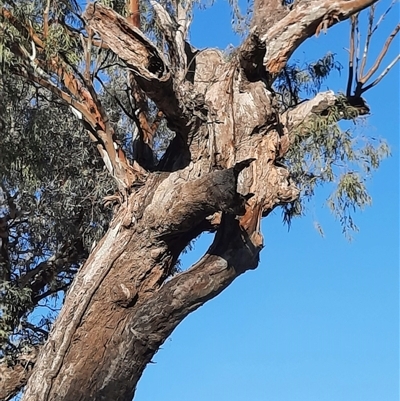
(357, 73)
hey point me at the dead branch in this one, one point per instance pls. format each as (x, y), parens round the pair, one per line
(368, 38)
(358, 73)
(360, 79)
(382, 75)
(382, 17)
(351, 55)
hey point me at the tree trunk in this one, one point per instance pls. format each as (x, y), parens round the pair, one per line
(120, 308)
(221, 173)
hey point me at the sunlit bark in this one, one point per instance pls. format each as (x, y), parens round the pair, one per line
(221, 173)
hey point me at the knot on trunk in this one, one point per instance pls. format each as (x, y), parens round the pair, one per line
(124, 295)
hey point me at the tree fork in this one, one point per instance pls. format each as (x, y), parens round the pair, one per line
(223, 116)
(123, 282)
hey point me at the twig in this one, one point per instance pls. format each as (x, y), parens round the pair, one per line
(382, 17)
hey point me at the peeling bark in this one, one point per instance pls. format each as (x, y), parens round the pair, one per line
(220, 173)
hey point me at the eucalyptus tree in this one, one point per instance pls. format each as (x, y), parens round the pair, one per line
(183, 141)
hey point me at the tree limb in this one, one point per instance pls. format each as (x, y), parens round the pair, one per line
(143, 144)
(175, 39)
(382, 75)
(368, 38)
(80, 94)
(303, 21)
(151, 70)
(363, 79)
(298, 115)
(351, 55)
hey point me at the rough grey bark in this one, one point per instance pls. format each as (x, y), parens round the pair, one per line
(221, 173)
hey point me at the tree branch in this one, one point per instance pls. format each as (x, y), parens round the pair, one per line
(368, 39)
(79, 94)
(133, 10)
(298, 115)
(303, 21)
(151, 70)
(143, 144)
(351, 55)
(175, 39)
(382, 75)
(363, 79)
(152, 321)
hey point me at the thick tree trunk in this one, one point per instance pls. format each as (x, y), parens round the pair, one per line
(120, 308)
(220, 173)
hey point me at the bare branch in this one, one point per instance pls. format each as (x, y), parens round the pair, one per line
(151, 70)
(353, 21)
(382, 17)
(373, 69)
(384, 72)
(357, 48)
(184, 16)
(368, 38)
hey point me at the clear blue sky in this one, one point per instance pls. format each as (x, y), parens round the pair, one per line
(319, 319)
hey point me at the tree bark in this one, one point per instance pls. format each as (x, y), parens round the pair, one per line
(221, 173)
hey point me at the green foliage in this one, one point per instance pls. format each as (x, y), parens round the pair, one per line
(13, 304)
(295, 81)
(57, 182)
(324, 153)
(118, 5)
